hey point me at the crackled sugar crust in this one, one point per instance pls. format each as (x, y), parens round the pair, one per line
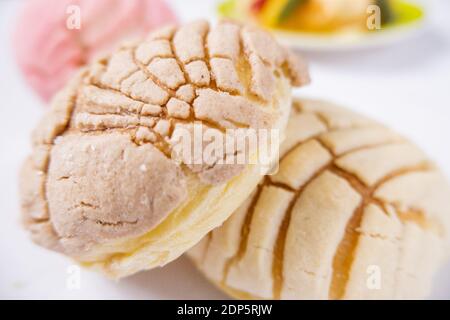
(351, 198)
(101, 167)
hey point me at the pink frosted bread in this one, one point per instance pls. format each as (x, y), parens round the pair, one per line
(48, 51)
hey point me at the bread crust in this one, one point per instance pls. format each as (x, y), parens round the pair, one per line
(355, 212)
(103, 169)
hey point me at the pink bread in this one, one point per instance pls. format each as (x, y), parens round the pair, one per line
(48, 52)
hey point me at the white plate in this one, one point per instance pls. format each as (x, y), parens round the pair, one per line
(350, 40)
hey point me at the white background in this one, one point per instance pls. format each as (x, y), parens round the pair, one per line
(407, 86)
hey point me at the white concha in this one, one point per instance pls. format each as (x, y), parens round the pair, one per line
(355, 211)
(102, 185)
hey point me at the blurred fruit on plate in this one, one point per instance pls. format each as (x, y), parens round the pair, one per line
(338, 22)
(318, 15)
(49, 47)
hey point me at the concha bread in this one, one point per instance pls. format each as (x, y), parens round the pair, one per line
(101, 185)
(354, 212)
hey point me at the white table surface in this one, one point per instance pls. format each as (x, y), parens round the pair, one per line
(407, 86)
